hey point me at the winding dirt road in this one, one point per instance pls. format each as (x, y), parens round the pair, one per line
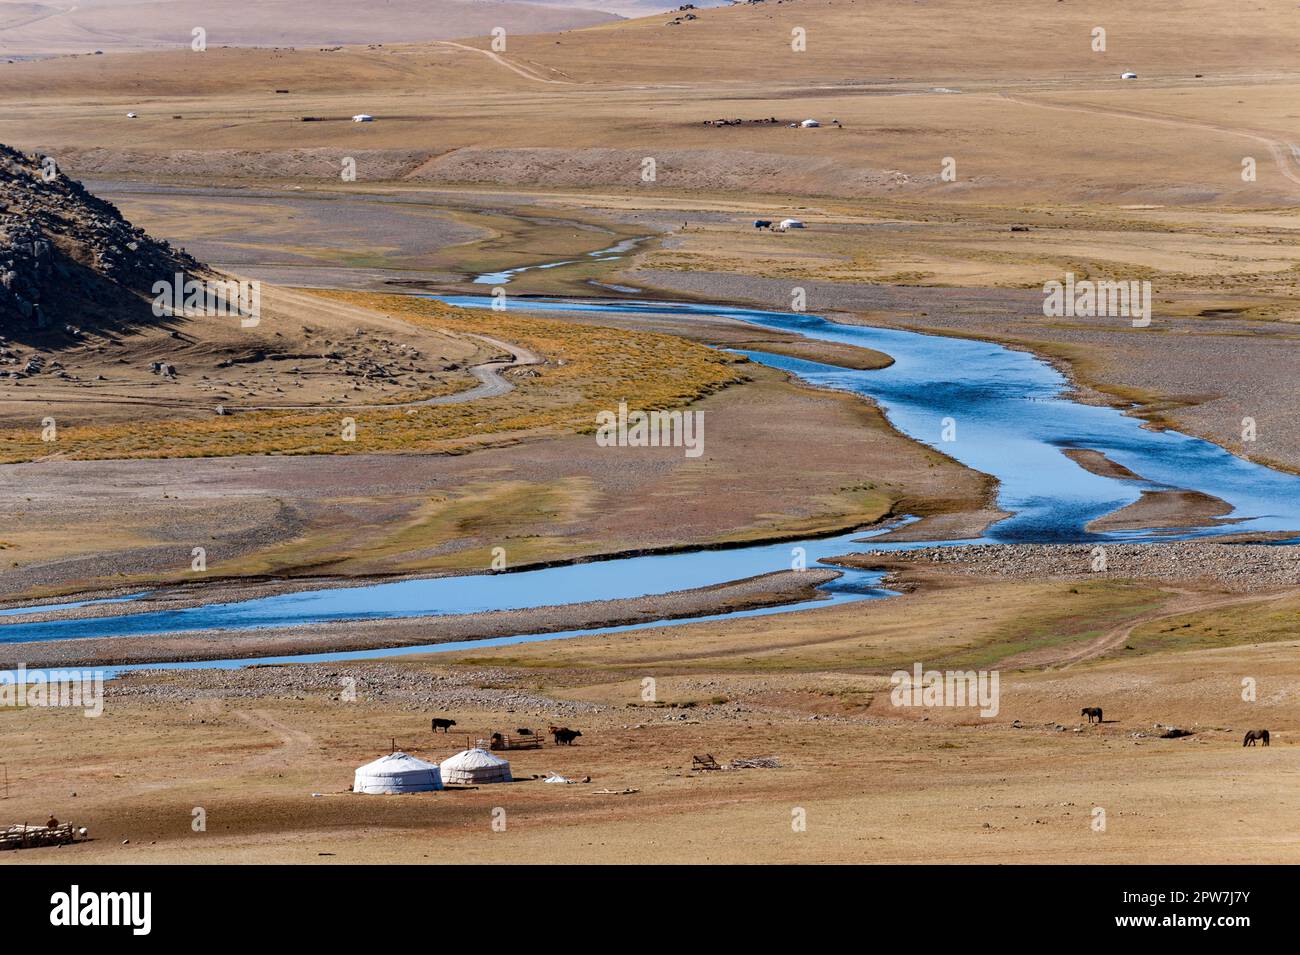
(491, 384)
(523, 71)
(1183, 602)
(294, 743)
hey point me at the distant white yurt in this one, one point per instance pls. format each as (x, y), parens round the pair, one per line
(397, 773)
(791, 224)
(1130, 75)
(363, 118)
(810, 124)
(474, 767)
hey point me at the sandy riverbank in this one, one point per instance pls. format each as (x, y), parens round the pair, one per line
(98, 525)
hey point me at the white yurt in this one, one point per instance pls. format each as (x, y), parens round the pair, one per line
(397, 773)
(476, 766)
(810, 124)
(791, 224)
(363, 118)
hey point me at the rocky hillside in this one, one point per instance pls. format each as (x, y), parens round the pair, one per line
(69, 260)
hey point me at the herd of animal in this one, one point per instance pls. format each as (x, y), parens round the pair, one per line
(562, 734)
(1093, 713)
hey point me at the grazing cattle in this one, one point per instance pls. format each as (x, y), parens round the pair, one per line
(441, 724)
(523, 731)
(1255, 735)
(1091, 712)
(565, 736)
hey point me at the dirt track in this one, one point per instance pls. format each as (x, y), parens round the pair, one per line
(492, 383)
(524, 71)
(1284, 153)
(1189, 602)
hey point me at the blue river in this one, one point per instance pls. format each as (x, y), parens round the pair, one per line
(996, 410)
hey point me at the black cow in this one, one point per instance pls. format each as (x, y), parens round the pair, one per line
(441, 724)
(565, 736)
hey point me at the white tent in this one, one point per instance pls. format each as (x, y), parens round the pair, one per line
(363, 118)
(473, 767)
(791, 224)
(397, 773)
(1130, 75)
(810, 124)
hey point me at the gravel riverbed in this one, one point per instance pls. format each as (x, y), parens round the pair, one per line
(1244, 568)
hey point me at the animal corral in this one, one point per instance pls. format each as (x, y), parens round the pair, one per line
(31, 837)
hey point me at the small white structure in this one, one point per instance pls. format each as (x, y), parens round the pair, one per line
(1129, 75)
(397, 773)
(474, 767)
(810, 124)
(363, 118)
(790, 224)
(130, 115)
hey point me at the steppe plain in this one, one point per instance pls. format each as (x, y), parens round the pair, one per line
(480, 161)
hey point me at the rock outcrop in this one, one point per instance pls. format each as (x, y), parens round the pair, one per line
(68, 258)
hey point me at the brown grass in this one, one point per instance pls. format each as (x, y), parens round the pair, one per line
(588, 369)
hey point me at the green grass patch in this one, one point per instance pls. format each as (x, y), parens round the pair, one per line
(1228, 627)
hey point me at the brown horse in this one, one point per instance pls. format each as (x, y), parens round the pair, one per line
(1090, 712)
(1253, 735)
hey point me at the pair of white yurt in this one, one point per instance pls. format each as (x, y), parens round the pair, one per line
(397, 773)
(474, 767)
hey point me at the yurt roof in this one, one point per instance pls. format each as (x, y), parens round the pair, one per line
(473, 759)
(396, 764)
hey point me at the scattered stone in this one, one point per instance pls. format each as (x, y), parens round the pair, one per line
(1235, 567)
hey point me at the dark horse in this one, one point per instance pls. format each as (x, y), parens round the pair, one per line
(1090, 712)
(1253, 735)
